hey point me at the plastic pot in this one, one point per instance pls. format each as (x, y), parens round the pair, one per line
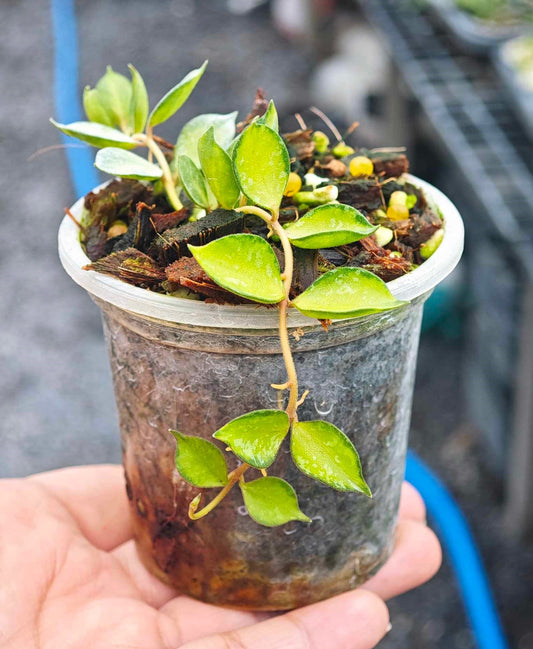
(192, 366)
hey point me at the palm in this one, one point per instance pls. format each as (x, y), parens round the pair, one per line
(71, 579)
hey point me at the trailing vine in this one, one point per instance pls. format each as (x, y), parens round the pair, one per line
(248, 173)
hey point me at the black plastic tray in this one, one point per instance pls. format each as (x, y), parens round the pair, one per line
(473, 35)
(520, 95)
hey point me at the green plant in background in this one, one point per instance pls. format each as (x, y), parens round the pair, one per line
(248, 173)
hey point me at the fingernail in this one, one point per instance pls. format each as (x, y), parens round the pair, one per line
(389, 627)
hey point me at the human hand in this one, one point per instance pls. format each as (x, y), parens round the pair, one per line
(70, 578)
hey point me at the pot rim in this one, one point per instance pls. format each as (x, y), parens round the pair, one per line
(193, 312)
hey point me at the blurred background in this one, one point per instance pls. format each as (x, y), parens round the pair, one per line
(450, 79)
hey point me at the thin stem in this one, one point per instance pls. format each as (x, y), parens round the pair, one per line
(149, 134)
(256, 211)
(168, 180)
(292, 383)
(234, 477)
(292, 405)
(287, 252)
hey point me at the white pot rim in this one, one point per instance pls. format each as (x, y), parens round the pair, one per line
(196, 313)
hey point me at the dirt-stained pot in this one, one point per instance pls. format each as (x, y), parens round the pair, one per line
(193, 366)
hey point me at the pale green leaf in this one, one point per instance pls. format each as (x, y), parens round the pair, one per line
(244, 264)
(126, 164)
(270, 118)
(271, 502)
(262, 165)
(96, 134)
(139, 100)
(323, 452)
(256, 436)
(193, 130)
(200, 462)
(193, 181)
(218, 169)
(328, 226)
(94, 108)
(176, 97)
(114, 92)
(346, 293)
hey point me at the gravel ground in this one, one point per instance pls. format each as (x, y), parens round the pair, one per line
(55, 387)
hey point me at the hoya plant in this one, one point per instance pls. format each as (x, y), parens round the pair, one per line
(249, 173)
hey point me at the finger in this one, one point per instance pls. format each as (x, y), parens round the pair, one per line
(153, 591)
(354, 620)
(411, 504)
(95, 498)
(194, 619)
(416, 558)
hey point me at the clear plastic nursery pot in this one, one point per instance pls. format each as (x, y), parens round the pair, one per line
(193, 366)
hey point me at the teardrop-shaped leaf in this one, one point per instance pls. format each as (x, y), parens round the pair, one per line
(218, 169)
(193, 130)
(126, 164)
(271, 502)
(346, 293)
(262, 165)
(114, 91)
(200, 462)
(139, 100)
(323, 452)
(176, 97)
(270, 118)
(94, 109)
(96, 134)
(193, 181)
(244, 264)
(256, 436)
(328, 226)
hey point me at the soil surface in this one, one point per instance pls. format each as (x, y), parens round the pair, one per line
(130, 231)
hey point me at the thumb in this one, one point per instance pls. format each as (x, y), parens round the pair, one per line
(354, 620)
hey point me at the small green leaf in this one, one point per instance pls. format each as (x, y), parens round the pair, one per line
(328, 226)
(218, 169)
(256, 436)
(244, 264)
(139, 100)
(270, 118)
(200, 462)
(94, 108)
(126, 164)
(323, 452)
(262, 165)
(271, 502)
(96, 134)
(193, 130)
(193, 181)
(114, 92)
(176, 97)
(346, 293)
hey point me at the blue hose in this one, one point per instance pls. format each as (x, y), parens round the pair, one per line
(451, 525)
(453, 530)
(66, 94)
